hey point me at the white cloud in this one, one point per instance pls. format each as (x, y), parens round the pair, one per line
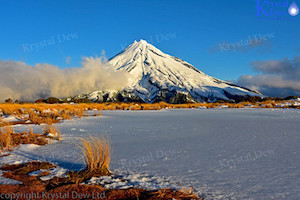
(277, 77)
(26, 83)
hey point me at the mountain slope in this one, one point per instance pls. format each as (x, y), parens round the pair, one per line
(156, 76)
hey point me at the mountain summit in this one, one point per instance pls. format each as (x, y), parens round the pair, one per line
(157, 76)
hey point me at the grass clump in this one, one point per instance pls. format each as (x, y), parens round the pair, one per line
(5, 137)
(97, 153)
(52, 131)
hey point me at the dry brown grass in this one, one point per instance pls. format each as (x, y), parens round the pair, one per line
(5, 137)
(97, 113)
(42, 118)
(30, 130)
(9, 139)
(28, 138)
(53, 113)
(65, 114)
(48, 113)
(33, 184)
(97, 154)
(52, 131)
(167, 193)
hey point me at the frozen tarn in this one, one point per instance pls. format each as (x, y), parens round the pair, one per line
(222, 153)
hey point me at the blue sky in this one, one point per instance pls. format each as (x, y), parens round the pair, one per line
(192, 30)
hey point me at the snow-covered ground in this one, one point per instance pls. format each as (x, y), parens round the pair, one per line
(222, 153)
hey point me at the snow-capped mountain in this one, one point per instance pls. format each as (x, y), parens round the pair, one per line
(157, 76)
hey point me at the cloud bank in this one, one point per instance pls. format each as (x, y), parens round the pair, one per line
(277, 78)
(27, 83)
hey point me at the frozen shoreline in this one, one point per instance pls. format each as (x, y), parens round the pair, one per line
(207, 149)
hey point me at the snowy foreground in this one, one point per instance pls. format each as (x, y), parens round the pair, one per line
(221, 153)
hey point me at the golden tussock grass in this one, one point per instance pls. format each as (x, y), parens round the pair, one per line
(9, 139)
(52, 131)
(97, 113)
(48, 113)
(53, 113)
(28, 138)
(42, 118)
(2, 123)
(5, 137)
(97, 153)
(30, 130)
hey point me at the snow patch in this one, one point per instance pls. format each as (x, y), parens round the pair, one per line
(54, 172)
(125, 180)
